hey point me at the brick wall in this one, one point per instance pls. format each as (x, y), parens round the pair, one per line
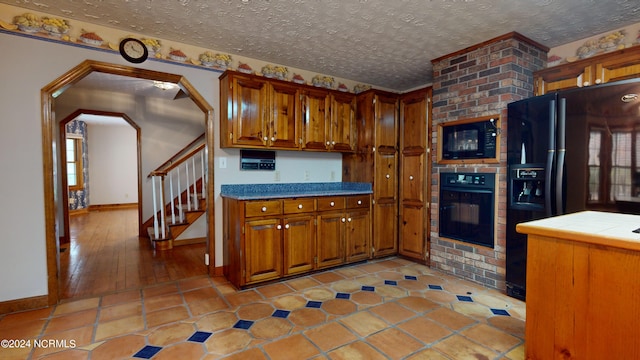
(479, 81)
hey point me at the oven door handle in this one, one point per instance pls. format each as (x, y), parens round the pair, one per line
(465, 190)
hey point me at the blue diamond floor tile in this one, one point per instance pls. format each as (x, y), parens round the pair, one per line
(464, 298)
(500, 312)
(243, 324)
(199, 336)
(368, 288)
(314, 304)
(435, 287)
(410, 277)
(147, 352)
(281, 313)
(343, 296)
(391, 282)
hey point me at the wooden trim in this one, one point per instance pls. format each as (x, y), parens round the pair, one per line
(50, 153)
(30, 303)
(199, 240)
(105, 207)
(511, 35)
(77, 212)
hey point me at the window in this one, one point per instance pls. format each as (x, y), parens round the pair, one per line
(74, 163)
(595, 141)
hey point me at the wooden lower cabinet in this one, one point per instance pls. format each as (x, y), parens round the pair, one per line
(263, 249)
(271, 239)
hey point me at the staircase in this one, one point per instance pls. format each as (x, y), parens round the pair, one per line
(179, 188)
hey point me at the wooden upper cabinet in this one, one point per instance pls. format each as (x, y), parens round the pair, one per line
(248, 111)
(342, 132)
(386, 123)
(314, 111)
(283, 127)
(617, 65)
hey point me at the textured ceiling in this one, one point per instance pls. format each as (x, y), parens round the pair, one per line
(386, 43)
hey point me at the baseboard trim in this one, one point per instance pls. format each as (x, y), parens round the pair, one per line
(104, 207)
(199, 240)
(30, 303)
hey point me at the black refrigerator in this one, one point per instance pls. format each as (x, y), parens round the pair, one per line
(570, 151)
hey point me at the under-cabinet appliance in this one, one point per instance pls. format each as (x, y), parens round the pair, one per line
(467, 207)
(473, 140)
(570, 151)
(257, 160)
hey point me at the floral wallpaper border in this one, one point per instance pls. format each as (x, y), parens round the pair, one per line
(71, 32)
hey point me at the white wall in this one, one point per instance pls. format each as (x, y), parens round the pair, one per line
(27, 66)
(113, 164)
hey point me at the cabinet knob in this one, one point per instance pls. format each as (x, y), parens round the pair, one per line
(265, 138)
(344, 220)
(279, 227)
(388, 176)
(273, 138)
(349, 219)
(264, 208)
(328, 143)
(359, 202)
(410, 177)
(332, 204)
(299, 206)
(586, 83)
(286, 226)
(598, 81)
(333, 143)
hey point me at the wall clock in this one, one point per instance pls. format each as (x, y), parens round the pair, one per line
(133, 50)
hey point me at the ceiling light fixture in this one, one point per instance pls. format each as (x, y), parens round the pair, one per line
(164, 85)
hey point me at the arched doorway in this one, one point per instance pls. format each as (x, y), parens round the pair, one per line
(50, 150)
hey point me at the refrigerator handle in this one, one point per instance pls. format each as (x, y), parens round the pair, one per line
(548, 170)
(562, 107)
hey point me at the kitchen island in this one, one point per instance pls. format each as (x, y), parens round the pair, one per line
(275, 231)
(583, 286)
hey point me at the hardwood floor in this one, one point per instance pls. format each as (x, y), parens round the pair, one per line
(106, 255)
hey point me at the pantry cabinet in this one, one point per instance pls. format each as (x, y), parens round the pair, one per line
(275, 238)
(613, 66)
(375, 161)
(414, 177)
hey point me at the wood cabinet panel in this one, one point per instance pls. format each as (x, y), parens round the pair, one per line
(326, 203)
(613, 66)
(342, 130)
(299, 205)
(263, 208)
(314, 115)
(249, 110)
(412, 232)
(386, 178)
(329, 239)
(283, 128)
(413, 176)
(299, 244)
(385, 226)
(263, 249)
(357, 235)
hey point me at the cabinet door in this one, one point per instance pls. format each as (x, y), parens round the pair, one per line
(299, 244)
(386, 179)
(563, 77)
(385, 220)
(358, 238)
(608, 71)
(263, 250)
(249, 111)
(329, 239)
(314, 112)
(413, 174)
(342, 129)
(283, 127)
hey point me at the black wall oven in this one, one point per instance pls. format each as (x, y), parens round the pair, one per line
(467, 207)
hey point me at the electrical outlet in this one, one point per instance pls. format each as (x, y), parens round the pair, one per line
(276, 175)
(306, 175)
(223, 162)
(333, 176)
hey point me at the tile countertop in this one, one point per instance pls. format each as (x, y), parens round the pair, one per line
(272, 191)
(591, 227)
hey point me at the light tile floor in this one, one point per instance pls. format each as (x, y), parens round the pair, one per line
(384, 309)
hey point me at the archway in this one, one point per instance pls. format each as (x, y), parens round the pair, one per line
(50, 150)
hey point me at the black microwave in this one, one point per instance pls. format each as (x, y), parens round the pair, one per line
(472, 140)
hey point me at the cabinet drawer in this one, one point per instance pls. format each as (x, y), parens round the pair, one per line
(358, 202)
(330, 203)
(296, 206)
(262, 208)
